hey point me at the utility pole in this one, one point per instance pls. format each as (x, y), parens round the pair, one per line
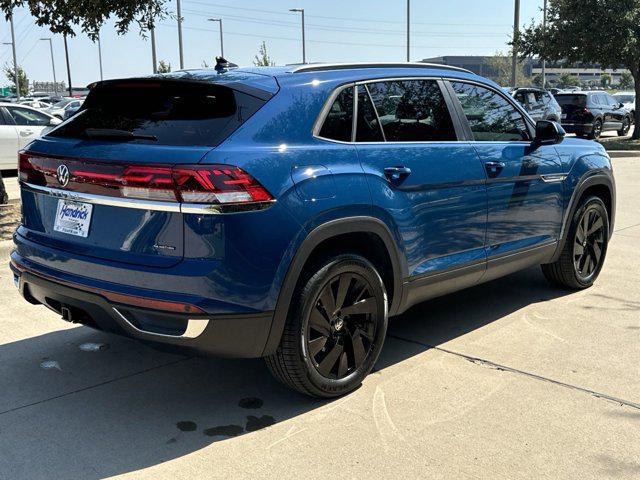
(15, 60)
(180, 34)
(100, 56)
(219, 20)
(516, 42)
(66, 52)
(154, 59)
(304, 48)
(544, 31)
(408, 30)
(53, 65)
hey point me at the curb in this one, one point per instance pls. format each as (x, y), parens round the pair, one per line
(623, 153)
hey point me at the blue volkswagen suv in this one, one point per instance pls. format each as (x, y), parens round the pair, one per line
(288, 212)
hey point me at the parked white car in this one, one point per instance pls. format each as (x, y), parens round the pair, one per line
(59, 109)
(628, 99)
(19, 125)
(35, 103)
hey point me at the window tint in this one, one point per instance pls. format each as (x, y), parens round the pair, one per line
(339, 121)
(24, 116)
(164, 112)
(491, 117)
(569, 100)
(412, 111)
(368, 129)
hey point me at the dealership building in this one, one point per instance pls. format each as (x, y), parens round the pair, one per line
(586, 73)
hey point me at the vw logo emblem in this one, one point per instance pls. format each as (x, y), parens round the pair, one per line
(62, 174)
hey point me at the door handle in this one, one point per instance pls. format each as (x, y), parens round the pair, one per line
(26, 133)
(494, 168)
(397, 174)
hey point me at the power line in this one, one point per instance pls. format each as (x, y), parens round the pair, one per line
(274, 12)
(270, 37)
(356, 30)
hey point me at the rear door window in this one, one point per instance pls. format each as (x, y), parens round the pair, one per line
(412, 111)
(339, 120)
(491, 117)
(177, 113)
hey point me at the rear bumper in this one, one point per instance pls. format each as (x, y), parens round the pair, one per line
(584, 128)
(233, 335)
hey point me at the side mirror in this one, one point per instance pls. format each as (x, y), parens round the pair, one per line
(548, 133)
(54, 122)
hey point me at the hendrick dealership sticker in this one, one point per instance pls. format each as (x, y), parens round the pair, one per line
(73, 218)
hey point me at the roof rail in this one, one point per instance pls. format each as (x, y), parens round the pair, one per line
(319, 67)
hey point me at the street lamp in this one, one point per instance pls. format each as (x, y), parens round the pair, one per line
(53, 64)
(516, 42)
(408, 30)
(304, 52)
(219, 20)
(544, 31)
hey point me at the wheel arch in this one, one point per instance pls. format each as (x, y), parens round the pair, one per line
(333, 234)
(600, 184)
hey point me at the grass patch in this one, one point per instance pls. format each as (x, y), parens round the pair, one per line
(624, 143)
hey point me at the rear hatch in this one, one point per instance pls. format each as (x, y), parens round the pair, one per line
(104, 183)
(574, 107)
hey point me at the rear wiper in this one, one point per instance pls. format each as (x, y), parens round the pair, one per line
(112, 133)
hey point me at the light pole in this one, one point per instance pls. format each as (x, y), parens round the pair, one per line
(53, 64)
(408, 30)
(219, 20)
(544, 31)
(179, 11)
(100, 56)
(66, 53)
(154, 58)
(516, 41)
(15, 60)
(304, 49)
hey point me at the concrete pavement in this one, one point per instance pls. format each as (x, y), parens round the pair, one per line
(512, 379)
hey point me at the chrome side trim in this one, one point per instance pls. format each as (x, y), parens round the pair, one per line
(554, 177)
(195, 328)
(194, 208)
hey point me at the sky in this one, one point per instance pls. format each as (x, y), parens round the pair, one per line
(336, 31)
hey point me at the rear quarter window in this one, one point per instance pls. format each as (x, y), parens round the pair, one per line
(176, 113)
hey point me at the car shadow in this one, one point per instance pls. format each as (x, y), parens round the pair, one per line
(85, 404)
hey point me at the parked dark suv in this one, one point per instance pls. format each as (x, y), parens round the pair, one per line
(288, 212)
(539, 104)
(588, 114)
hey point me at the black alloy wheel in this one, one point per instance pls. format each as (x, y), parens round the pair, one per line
(626, 126)
(597, 130)
(342, 326)
(589, 244)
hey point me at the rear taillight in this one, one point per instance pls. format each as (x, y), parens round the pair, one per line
(206, 184)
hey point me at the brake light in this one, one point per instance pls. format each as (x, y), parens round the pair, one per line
(208, 184)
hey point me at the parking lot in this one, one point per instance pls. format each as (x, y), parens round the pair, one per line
(511, 379)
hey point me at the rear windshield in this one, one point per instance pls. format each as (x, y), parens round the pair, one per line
(572, 100)
(174, 113)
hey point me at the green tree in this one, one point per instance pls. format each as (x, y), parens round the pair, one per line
(10, 73)
(262, 59)
(605, 80)
(537, 80)
(88, 16)
(626, 80)
(567, 80)
(606, 32)
(498, 69)
(164, 67)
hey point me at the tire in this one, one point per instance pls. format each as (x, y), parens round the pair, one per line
(566, 271)
(324, 351)
(596, 130)
(626, 126)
